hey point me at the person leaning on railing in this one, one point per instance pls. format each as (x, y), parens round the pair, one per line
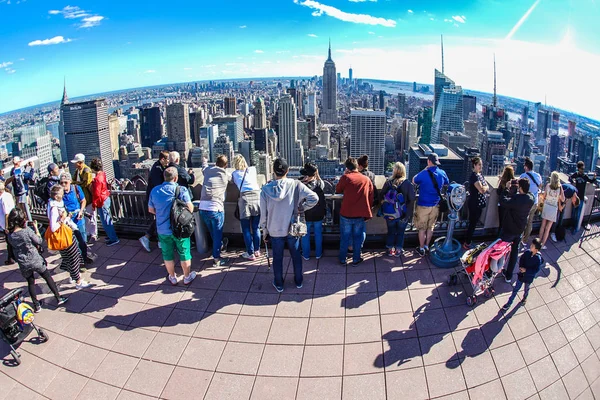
(507, 182)
(101, 201)
(580, 179)
(246, 180)
(155, 178)
(477, 199)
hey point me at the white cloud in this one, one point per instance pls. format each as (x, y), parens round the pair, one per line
(312, 35)
(431, 19)
(91, 22)
(371, 33)
(362, 1)
(458, 18)
(336, 13)
(46, 42)
(258, 51)
(21, 59)
(243, 26)
(187, 69)
(411, 12)
(6, 64)
(150, 71)
(10, 71)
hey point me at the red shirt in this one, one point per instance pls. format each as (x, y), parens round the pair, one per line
(100, 190)
(358, 195)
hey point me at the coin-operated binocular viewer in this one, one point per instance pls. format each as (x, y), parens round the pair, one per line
(445, 251)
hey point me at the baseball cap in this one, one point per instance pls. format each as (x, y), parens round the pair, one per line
(433, 157)
(51, 167)
(16, 159)
(78, 158)
(309, 169)
(280, 167)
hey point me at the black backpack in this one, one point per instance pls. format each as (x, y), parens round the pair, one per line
(183, 222)
(41, 192)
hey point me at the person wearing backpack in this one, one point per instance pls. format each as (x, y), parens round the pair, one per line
(83, 178)
(396, 199)
(535, 186)
(53, 179)
(314, 216)
(161, 204)
(101, 201)
(20, 178)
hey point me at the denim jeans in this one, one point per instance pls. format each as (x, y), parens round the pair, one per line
(516, 289)
(351, 228)
(107, 222)
(214, 221)
(251, 233)
(317, 227)
(278, 244)
(395, 234)
(81, 227)
(576, 214)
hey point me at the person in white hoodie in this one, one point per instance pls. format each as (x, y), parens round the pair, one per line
(280, 201)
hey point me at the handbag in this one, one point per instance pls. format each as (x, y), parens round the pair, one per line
(443, 204)
(61, 239)
(297, 225)
(236, 213)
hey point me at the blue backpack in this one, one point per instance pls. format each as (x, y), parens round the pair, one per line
(393, 205)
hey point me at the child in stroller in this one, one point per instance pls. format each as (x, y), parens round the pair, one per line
(27, 249)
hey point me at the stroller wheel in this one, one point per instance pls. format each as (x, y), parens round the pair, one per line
(487, 293)
(16, 356)
(471, 301)
(43, 335)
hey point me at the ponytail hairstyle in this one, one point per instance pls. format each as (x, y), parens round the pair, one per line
(16, 219)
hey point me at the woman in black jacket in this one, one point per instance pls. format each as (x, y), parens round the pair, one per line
(477, 200)
(314, 217)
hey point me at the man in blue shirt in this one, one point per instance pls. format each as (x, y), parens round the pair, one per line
(427, 211)
(74, 200)
(160, 204)
(535, 186)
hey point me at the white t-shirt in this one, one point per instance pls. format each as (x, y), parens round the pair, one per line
(534, 189)
(7, 203)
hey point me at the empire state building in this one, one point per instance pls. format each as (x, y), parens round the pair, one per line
(329, 103)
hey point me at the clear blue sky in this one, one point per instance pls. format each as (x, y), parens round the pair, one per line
(110, 45)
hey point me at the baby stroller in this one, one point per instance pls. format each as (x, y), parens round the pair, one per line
(481, 265)
(12, 330)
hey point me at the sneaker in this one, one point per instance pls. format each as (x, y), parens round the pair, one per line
(306, 258)
(110, 243)
(62, 300)
(221, 263)
(89, 260)
(278, 288)
(399, 252)
(506, 307)
(318, 257)
(544, 247)
(224, 244)
(257, 254)
(159, 245)
(82, 269)
(355, 263)
(507, 279)
(172, 279)
(426, 249)
(188, 279)
(145, 242)
(524, 301)
(343, 263)
(94, 238)
(421, 251)
(553, 237)
(71, 281)
(37, 308)
(82, 285)
(248, 256)
(391, 252)
(9, 261)
(299, 286)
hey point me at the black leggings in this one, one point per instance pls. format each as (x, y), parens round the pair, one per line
(474, 215)
(31, 285)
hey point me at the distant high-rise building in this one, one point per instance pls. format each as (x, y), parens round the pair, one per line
(451, 162)
(61, 124)
(441, 81)
(367, 137)
(178, 129)
(229, 106)
(425, 124)
(248, 151)
(312, 108)
(232, 126)
(196, 122)
(288, 132)
(133, 129)
(525, 117)
(415, 87)
(324, 136)
(544, 122)
(151, 127)
(329, 103)
(86, 131)
(381, 100)
(265, 165)
(469, 106)
(210, 133)
(260, 114)
(401, 103)
(448, 113)
(412, 129)
(223, 146)
(471, 132)
(34, 141)
(114, 130)
(493, 153)
(455, 140)
(350, 75)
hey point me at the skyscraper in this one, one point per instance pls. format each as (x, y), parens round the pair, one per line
(329, 103)
(114, 130)
(401, 103)
(448, 113)
(34, 141)
(260, 114)
(544, 122)
(381, 100)
(178, 129)
(441, 81)
(233, 127)
(469, 106)
(350, 75)
(312, 108)
(86, 131)
(229, 105)
(223, 146)
(61, 124)
(151, 127)
(288, 132)
(525, 118)
(425, 125)
(367, 137)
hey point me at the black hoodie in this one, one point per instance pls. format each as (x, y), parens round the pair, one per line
(317, 213)
(517, 211)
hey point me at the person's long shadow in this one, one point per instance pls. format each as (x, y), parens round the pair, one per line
(472, 346)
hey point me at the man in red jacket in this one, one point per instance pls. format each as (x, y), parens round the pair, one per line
(356, 209)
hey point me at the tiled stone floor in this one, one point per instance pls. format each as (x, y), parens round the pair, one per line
(390, 328)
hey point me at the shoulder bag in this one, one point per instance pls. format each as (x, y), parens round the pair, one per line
(443, 204)
(236, 213)
(61, 239)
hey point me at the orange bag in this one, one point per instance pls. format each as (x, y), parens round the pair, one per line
(61, 239)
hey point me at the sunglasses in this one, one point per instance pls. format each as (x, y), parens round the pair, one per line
(64, 183)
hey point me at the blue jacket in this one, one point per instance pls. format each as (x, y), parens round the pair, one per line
(532, 264)
(428, 196)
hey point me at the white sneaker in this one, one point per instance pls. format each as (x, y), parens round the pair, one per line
(553, 237)
(82, 285)
(71, 281)
(248, 256)
(173, 280)
(188, 279)
(145, 242)
(544, 247)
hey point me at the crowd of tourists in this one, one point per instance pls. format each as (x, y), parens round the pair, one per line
(284, 212)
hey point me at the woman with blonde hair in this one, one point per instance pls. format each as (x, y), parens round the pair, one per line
(246, 180)
(397, 197)
(554, 195)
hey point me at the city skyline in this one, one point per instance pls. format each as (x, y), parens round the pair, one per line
(100, 49)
